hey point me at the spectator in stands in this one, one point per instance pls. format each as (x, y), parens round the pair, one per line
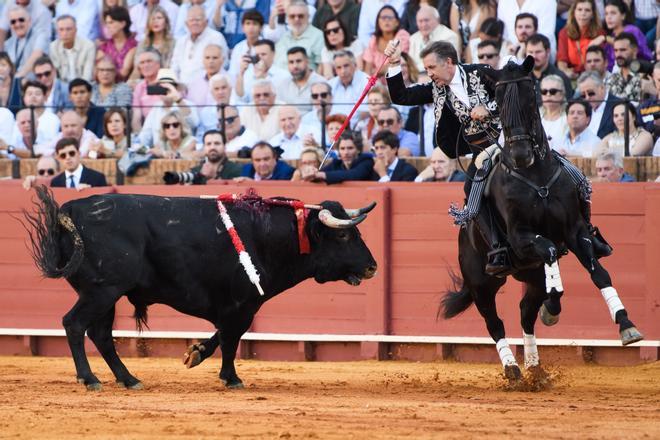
(336, 39)
(237, 136)
(596, 61)
(8, 129)
(106, 91)
(20, 145)
(47, 167)
(488, 53)
(265, 165)
(105, 6)
(592, 89)
(377, 99)
(72, 55)
(263, 117)
(348, 85)
(625, 84)
(553, 110)
(618, 19)
(252, 22)
(389, 118)
(175, 140)
(309, 161)
(72, 127)
(199, 93)
(34, 95)
(581, 31)
(172, 100)
(148, 64)
(75, 174)
(121, 45)
(140, 13)
(369, 10)
(86, 14)
(333, 124)
(187, 60)
(210, 7)
(640, 141)
(609, 168)
(649, 110)
(8, 86)
(580, 140)
(158, 36)
(259, 68)
(293, 136)
(221, 94)
(25, 45)
(545, 14)
(297, 88)
(387, 166)
(466, 19)
(409, 13)
(351, 164)
(57, 90)
(491, 29)
(526, 25)
(114, 142)
(229, 18)
(40, 15)
(321, 95)
(430, 29)
(80, 95)
(347, 12)
(300, 33)
(441, 169)
(538, 47)
(388, 27)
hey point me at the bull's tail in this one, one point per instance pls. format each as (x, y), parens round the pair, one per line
(456, 300)
(46, 225)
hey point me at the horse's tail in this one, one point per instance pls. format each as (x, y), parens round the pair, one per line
(46, 225)
(456, 300)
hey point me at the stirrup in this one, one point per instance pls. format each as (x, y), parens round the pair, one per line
(601, 247)
(498, 263)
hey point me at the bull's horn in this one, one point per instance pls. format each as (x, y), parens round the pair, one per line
(331, 221)
(316, 207)
(352, 213)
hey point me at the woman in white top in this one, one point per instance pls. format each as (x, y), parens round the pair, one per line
(175, 141)
(553, 110)
(640, 140)
(466, 19)
(337, 38)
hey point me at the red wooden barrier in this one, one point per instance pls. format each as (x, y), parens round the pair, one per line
(414, 243)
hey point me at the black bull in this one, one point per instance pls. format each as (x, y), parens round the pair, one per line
(176, 251)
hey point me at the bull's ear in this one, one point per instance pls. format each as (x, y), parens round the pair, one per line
(528, 64)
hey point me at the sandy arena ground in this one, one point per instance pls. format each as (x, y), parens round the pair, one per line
(39, 398)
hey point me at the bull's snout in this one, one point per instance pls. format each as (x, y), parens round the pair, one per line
(370, 272)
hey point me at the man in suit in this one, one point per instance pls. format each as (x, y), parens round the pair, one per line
(75, 174)
(265, 165)
(592, 89)
(387, 166)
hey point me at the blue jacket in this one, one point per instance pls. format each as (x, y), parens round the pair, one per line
(282, 171)
(361, 169)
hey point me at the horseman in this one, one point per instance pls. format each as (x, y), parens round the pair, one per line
(467, 122)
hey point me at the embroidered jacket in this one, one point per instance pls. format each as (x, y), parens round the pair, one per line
(450, 112)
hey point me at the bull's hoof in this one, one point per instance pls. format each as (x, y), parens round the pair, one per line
(512, 372)
(546, 317)
(630, 336)
(193, 356)
(131, 385)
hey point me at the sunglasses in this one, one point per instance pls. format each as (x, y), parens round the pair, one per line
(386, 121)
(588, 93)
(18, 20)
(487, 56)
(71, 153)
(296, 16)
(332, 30)
(321, 95)
(551, 92)
(228, 120)
(49, 171)
(167, 126)
(45, 74)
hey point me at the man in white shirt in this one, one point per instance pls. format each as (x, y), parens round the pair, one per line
(369, 12)
(237, 135)
(293, 136)
(72, 127)
(321, 93)
(86, 14)
(179, 29)
(430, 29)
(580, 140)
(72, 55)
(297, 88)
(140, 13)
(213, 61)
(545, 12)
(348, 85)
(593, 90)
(221, 94)
(18, 142)
(188, 51)
(258, 67)
(34, 95)
(300, 33)
(40, 15)
(263, 117)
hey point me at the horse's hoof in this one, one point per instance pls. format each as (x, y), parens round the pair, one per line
(512, 372)
(235, 386)
(630, 336)
(192, 358)
(546, 317)
(96, 386)
(136, 386)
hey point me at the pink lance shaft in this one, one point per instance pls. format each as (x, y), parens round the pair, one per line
(372, 81)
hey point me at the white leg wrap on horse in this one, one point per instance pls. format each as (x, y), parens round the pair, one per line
(506, 355)
(531, 352)
(612, 299)
(552, 278)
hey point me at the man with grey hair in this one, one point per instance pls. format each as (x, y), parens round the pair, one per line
(25, 45)
(263, 117)
(40, 15)
(592, 89)
(73, 56)
(609, 168)
(148, 62)
(86, 14)
(348, 85)
(221, 94)
(188, 55)
(430, 29)
(321, 95)
(293, 136)
(213, 60)
(300, 33)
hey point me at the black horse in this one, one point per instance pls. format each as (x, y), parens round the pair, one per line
(535, 203)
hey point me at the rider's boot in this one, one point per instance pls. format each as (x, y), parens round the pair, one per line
(498, 264)
(601, 247)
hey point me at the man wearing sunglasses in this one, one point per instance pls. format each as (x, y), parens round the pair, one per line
(47, 167)
(390, 119)
(236, 135)
(592, 89)
(25, 45)
(430, 29)
(538, 47)
(347, 11)
(296, 89)
(75, 174)
(40, 15)
(57, 91)
(488, 53)
(321, 95)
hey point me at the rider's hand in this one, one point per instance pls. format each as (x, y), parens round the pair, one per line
(393, 51)
(479, 113)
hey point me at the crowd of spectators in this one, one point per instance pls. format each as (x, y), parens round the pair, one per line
(273, 80)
